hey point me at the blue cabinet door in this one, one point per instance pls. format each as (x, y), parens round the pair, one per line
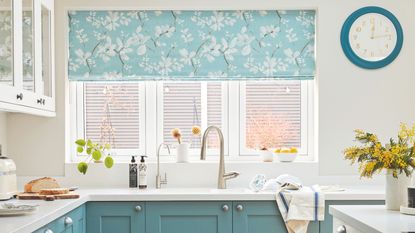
(115, 217)
(261, 217)
(327, 225)
(72, 222)
(189, 217)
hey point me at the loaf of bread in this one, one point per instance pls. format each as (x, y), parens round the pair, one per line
(56, 191)
(35, 186)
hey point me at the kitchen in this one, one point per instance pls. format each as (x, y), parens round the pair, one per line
(333, 97)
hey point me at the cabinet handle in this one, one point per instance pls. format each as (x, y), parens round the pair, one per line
(67, 221)
(138, 208)
(48, 231)
(39, 101)
(19, 96)
(225, 208)
(239, 208)
(341, 229)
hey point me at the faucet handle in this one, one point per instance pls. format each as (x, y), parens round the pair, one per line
(231, 175)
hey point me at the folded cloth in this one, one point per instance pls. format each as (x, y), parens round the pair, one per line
(299, 207)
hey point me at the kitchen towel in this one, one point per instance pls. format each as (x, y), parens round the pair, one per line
(299, 207)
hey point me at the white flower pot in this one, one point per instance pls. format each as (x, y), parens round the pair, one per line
(182, 153)
(267, 156)
(396, 191)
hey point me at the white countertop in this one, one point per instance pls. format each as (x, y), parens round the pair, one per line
(49, 211)
(374, 218)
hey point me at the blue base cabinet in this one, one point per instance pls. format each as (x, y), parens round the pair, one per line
(115, 217)
(72, 222)
(189, 217)
(261, 217)
(327, 225)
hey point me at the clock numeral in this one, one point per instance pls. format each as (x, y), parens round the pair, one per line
(372, 20)
(365, 51)
(372, 54)
(358, 29)
(354, 37)
(387, 46)
(358, 46)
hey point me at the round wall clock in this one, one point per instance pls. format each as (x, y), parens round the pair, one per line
(371, 37)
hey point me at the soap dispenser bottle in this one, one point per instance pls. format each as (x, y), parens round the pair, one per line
(133, 173)
(142, 173)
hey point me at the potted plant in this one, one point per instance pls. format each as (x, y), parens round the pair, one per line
(95, 152)
(397, 157)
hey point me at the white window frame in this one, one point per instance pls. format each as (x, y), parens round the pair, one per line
(78, 123)
(151, 96)
(203, 116)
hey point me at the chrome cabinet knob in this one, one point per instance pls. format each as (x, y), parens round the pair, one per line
(225, 208)
(341, 229)
(48, 231)
(138, 208)
(68, 221)
(239, 208)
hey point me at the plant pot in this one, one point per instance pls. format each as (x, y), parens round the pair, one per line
(396, 193)
(182, 153)
(267, 156)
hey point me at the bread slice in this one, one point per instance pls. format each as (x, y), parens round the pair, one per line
(35, 186)
(56, 191)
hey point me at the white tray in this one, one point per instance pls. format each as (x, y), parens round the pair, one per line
(407, 210)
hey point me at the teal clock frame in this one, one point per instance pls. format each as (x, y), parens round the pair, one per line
(345, 42)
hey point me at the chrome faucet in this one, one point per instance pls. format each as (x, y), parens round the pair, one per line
(222, 177)
(159, 180)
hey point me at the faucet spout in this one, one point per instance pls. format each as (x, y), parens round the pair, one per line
(222, 176)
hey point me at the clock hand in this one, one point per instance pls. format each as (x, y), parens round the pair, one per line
(380, 36)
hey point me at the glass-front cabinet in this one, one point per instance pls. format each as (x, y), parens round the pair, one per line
(26, 57)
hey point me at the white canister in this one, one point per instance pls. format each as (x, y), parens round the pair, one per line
(396, 194)
(182, 153)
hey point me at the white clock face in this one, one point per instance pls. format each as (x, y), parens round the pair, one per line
(372, 37)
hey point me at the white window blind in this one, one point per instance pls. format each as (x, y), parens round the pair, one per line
(111, 114)
(272, 114)
(186, 104)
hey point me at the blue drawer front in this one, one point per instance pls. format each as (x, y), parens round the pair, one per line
(115, 217)
(188, 217)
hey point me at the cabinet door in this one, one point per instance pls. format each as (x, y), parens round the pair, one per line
(115, 217)
(189, 217)
(261, 217)
(72, 222)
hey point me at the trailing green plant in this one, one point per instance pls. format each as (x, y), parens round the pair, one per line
(95, 152)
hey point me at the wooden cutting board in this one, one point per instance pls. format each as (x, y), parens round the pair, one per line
(36, 196)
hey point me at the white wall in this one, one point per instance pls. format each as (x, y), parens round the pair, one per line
(3, 132)
(347, 97)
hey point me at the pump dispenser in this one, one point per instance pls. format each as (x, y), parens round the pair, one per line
(142, 173)
(133, 173)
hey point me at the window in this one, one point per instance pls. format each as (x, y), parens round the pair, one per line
(136, 117)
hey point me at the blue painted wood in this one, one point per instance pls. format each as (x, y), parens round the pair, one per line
(58, 226)
(188, 217)
(261, 217)
(327, 225)
(115, 217)
(352, 56)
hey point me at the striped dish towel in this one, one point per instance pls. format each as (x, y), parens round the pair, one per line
(299, 207)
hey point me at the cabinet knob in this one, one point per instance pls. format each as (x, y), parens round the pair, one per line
(225, 208)
(341, 229)
(138, 208)
(19, 96)
(68, 221)
(239, 208)
(48, 231)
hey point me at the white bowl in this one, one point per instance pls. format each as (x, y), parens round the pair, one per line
(286, 157)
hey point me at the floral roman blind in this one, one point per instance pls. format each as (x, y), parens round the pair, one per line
(191, 45)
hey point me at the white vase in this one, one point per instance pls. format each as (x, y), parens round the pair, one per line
(182, 153)
(267, 156)
(396, 193)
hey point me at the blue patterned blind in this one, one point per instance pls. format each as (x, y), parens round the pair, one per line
(191, 45)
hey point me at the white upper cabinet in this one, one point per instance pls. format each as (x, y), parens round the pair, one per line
(27, 80)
